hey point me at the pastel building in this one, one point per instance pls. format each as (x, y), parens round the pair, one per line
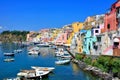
(111, 30)
(76, 27)
(98, 24)
(88, 41)
(30, 36)
(61, 39)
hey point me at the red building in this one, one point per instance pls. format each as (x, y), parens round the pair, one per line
(111, 19)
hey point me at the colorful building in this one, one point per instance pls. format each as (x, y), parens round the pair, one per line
(88, 41)
(61, 39)
(30, 36)
(111, 18)
(76, 27)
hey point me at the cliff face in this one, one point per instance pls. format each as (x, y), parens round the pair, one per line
(10, 36)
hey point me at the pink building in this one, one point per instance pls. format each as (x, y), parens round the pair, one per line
(29, 36)
(63, 36)
(61, 39)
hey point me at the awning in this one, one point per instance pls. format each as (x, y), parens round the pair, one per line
(116, 40)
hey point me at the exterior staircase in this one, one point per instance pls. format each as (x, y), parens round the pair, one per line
(108, 51)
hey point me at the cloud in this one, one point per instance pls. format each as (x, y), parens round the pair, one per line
(1, 27)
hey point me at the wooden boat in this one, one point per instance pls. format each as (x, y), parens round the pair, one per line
(9, 60)
(33, 74)
(9, 54)
(43, 68)
(62, 62)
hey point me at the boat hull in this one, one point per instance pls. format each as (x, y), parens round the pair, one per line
(62, 62)
(9, 54)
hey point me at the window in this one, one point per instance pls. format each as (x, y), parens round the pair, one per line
(96, 31)
(118, 11)
(116, 44)
(99, 39)
(108, 26)
(98, 27)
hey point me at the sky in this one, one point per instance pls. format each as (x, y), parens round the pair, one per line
(34, 15)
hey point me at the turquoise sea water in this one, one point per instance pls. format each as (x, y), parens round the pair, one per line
(46, 58)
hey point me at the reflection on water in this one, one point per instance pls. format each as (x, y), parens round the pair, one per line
(46, 51)
(75, 68)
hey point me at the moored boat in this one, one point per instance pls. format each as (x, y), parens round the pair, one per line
(17, 51)
(43, 45)
(43, 68)
(33, 74)
(66, 55)
(59, 52)
(33, 52)
(9, 60)
(9, 54)
(62, 61)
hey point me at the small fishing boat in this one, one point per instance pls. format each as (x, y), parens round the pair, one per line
(9, 60)
(9, 54)
(62, 61)
(43, 68)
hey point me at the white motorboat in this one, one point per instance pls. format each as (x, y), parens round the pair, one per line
(59, 52)
(66, 55)
(33, 52)
(43, 45)
(8, 59)
(33, 74)
(43, 68)
(62, 61)
(9, 54)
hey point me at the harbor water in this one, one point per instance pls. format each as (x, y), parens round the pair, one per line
(46, 59)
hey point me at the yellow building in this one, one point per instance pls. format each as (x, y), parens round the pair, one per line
(76, 27)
